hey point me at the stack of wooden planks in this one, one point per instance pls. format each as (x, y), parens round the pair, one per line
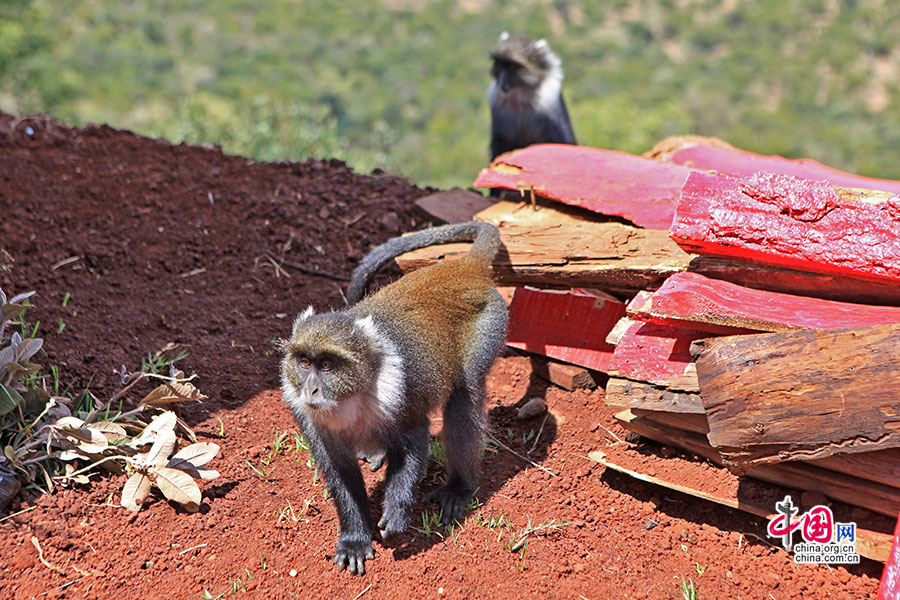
(745, 308)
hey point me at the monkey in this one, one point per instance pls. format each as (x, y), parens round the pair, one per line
(361, 382)
(526, 101)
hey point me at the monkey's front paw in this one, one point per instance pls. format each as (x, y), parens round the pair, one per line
(452, 499)
(353, 555)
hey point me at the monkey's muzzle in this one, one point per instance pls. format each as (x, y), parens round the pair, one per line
(311, 393)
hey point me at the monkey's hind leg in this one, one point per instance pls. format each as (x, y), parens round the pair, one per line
(464, 418)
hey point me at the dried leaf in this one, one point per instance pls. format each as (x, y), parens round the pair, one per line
(204, 473)
(161, 422)
(69, 423)
(170, 392)
(113, 431)
(136, 490)
(159, 452)
(86, 440)
(196, 454)
(178, 486)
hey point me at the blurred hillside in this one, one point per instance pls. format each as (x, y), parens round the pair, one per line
(400, 84)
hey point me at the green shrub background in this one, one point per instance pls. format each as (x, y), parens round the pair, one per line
(400, 84)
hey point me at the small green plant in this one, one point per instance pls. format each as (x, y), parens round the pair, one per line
(262, 474)
(700, 568)
(161, 362)
(289, 515)
(431, 520)
(65, 300)
(688, 592)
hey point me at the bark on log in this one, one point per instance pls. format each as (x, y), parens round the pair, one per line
(692, 300)
(453, 206)
(792, 223)
(641, 190)
(803, 394)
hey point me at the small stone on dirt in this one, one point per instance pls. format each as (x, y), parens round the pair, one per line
(534, 407)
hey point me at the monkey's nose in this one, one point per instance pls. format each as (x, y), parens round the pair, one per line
(311, 392)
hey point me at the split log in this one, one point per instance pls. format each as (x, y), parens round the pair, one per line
(848, 489)
(793, 223)
(874, 545)
(641, 190)
(657, 354)
(711, 154)
(637, 395)
(567, 326)
(452, 206)
(564, 248)
(802, 394)
(692, 300)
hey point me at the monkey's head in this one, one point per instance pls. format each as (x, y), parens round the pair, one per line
(521, 62)
(328, 368)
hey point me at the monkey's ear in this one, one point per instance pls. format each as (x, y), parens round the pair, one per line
(541, 44)
(306, 314)
(504, 36)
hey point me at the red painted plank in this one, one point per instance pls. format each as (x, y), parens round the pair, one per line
(692, 300)
(789, 222)
(741, 162)
(567, 326)
(642, 190)
(655, 353)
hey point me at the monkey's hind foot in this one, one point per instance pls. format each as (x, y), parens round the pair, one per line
(353, 555)
(392, 523)
(453, 500)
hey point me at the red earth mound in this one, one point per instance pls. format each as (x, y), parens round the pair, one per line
(179, 244)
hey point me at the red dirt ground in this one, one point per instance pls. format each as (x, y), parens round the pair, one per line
(171, 244)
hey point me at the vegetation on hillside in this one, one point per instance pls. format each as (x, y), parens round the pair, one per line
(400, 84)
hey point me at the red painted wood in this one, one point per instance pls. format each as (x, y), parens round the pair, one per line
(789, 222)
(564, 325)
(642, 190)
(654, 353)
(742, 162)
(889, 586)
(692, 300)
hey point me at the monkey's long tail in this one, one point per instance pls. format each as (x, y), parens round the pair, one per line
(486, 238)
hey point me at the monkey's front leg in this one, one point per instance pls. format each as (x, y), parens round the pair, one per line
(345, 482)
(406, 463)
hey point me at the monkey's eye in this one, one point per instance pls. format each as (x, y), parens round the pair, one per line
(326, 364)
(304, 362)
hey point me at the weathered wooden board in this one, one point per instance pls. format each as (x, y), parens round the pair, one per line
(562, 248)
(565, 325)
(801, 394)
(793, 223)
(851, 490)
(711, 154)
(569, 377)
(874, 545)
(639, 395)
(641, 190)
(695, 423)
(657, 354)
(453, 206)
(692, 300)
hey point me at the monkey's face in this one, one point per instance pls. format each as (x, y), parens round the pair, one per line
(326, 370)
